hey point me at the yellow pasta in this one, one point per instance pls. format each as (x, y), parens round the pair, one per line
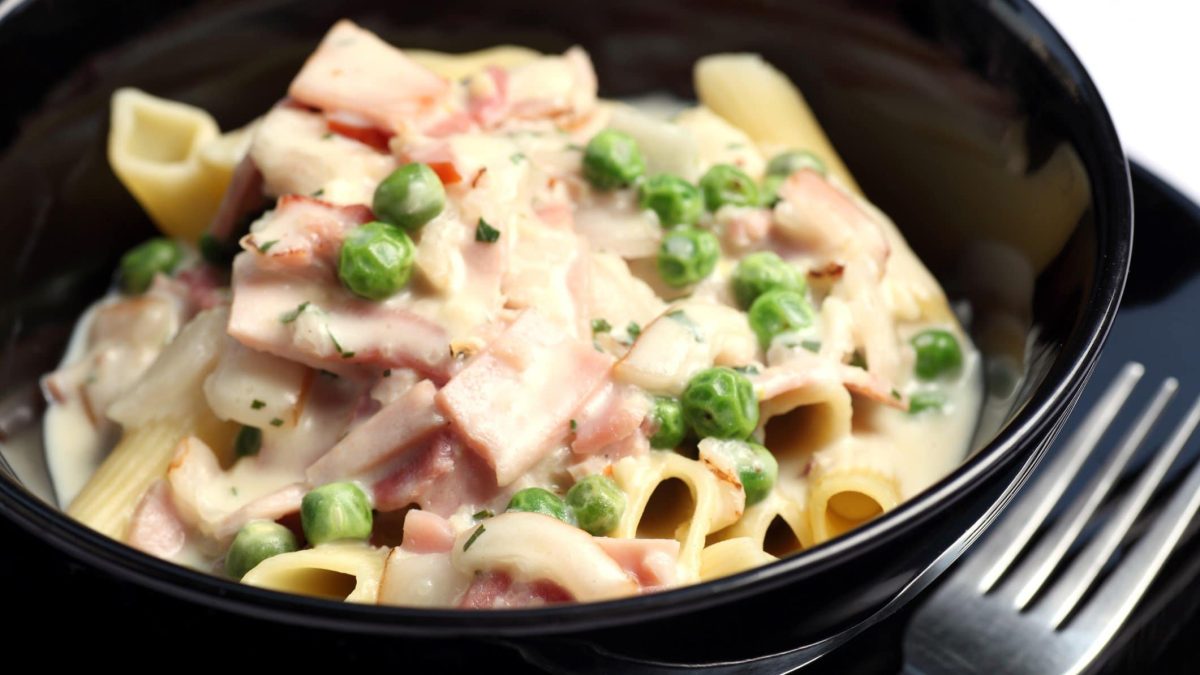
(343, 571)
(754, 96)
(155, 148)
(458, 66)
(775, 510)
(731, 556)
(848, 486)
(689, 503)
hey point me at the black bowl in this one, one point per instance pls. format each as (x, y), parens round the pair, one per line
(971, 123)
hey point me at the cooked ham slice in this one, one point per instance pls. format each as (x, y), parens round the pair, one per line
(440, 477)
(651, 561)
(496, 590)
(612, 414)
(550, 269)
(426, 532)
(399, 428)
(513, 402)
(331, 329)
(354, 71)
(156, 527)
(302, 232)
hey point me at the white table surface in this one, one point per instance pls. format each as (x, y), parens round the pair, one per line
(1144, 56)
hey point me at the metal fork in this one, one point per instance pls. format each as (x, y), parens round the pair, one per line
(1005, 610)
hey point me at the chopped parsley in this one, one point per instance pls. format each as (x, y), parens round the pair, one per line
(233, 490)
(896, 394)
(294, 314)
(681, 317)
(387, 373)
(475, 535)
(634, 330)
(574, 425)
(747, 370)
(327, 135)
(486, 233)
(858, 360)
(600, 326)
(257, 405)
(480, 515)
(320, 192)
(276, 422)
(517, 157)
(266, 245)
(813, 346)
(337, 345)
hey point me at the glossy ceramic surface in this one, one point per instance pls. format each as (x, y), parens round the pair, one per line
(970, 122)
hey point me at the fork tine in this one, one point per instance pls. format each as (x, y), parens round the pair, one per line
(1119, 594)
(1058, 539)
(1062, 598)
(1023, 518)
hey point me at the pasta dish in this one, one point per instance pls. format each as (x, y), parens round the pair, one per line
(450, 330)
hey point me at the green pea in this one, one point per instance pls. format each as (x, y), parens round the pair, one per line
(687, 255)
(667, 419)
(768, 193)
(925, 400)
(720, 403)
(938, 353)
(598, 504)
(612, 160)
(336, 511)
(777, 312)
(376, 260)
(786, 163)
(676, 201)
(247, 442)
(142, 262)
(725, 184)
(756, 467)
(765, 271)
(545, 502)
(254, 543)
(410, 197)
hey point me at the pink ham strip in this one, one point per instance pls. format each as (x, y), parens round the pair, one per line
(496, 590)
(156, 527)
(439, 478)
(354, 71)
(273, 506)
(835, 224)
(302, 231)
(650, 561)
(610, 415)
(513, 402)
(426, 532)
(375, 333)
(398, 429)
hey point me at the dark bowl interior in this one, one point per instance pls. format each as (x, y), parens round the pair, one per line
(970, 123)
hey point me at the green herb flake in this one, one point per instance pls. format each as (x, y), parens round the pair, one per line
(294, 314)
(480, 515)
(681, 317)
(327, 135)
(634, 330)
(387, 373)
(486, 233)
(319, 193)
(600, 326)
(276, 422)
(475, 535)
(266, 245)
(858, 360)
(896, 395)
(337, 345)
(747, 370)
(517, 157)
(233, 490)
(813, 346)
(574, 425)
(257, 405)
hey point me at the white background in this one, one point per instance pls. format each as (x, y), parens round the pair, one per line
(1144, 56)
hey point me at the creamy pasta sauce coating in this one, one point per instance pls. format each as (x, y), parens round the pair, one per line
(496, 342)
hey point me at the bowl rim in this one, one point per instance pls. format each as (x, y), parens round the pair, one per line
(1044, 413)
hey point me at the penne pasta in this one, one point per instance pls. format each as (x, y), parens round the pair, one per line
(342, 571)
(458, 66)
